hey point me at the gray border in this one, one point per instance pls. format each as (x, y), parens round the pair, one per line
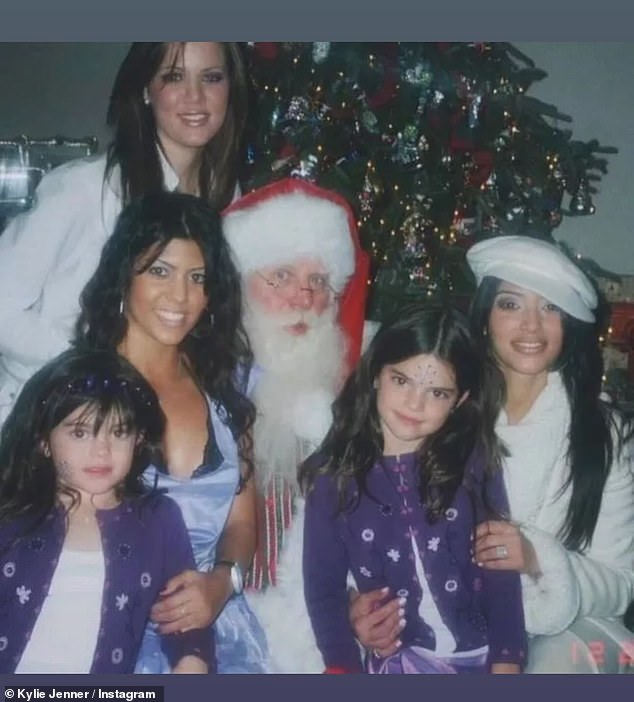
(307, 20)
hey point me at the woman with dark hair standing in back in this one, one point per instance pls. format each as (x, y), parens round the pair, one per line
(166, 296)
(177, 112)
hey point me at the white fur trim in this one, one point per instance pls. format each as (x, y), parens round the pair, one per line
(551, 602)
(291, 226)
(312, 415)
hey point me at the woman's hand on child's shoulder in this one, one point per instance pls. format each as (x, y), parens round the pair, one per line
(501, 545)
(192, 600)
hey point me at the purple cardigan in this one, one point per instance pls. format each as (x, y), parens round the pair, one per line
(479, 607)
(145, 543)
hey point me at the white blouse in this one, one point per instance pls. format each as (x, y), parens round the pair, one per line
(47, 255)
(65, 633)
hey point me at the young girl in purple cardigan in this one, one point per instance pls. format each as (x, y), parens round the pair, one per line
(84, 553)
(405, 474)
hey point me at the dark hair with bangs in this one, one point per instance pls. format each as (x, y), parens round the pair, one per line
(134, 148)
(103, 383)
(355, 440)
(596, 432)
(217, 349)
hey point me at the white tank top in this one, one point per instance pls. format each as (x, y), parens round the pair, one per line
(65, 633)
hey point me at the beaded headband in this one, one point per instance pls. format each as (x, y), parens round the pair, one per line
(94, 385)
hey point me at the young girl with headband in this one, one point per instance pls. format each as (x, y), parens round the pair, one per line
(85, 551)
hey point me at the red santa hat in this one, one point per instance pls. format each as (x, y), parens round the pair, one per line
(294, 218)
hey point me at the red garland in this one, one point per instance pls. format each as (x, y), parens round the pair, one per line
(388, 51)
(622, 323)
(267, 50)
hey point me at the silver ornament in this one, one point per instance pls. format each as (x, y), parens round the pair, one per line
(321, 49)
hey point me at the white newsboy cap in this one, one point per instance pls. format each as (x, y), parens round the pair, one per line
(538, 266)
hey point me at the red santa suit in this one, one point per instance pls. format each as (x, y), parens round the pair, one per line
(278, 224)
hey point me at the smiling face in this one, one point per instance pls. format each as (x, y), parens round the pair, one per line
(91, 462)
(414, 399)
(526, 332)
(189, 96)
(166, 300)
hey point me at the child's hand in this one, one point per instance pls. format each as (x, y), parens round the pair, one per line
(505, 668)
(190, 664)
(191, 600)
(377, 625)
(502, 546)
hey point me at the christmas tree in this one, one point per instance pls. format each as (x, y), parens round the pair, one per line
(435, 145)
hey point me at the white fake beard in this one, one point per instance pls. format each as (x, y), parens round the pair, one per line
(301, 375)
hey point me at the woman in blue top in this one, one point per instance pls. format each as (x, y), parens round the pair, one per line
(166, 295)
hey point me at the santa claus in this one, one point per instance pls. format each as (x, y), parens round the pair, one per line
(305, 280)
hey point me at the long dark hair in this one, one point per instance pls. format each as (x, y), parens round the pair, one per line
(217, 349)
(134, 147)
(102, 381)
(590, 444)
(355, 440)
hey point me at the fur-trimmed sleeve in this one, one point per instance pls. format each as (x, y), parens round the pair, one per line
(598, 582)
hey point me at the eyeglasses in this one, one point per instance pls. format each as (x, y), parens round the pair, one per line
(288, 285)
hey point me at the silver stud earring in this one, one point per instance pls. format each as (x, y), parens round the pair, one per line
(146, 97)
(121, 308)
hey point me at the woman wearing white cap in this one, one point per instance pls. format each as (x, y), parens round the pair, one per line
(567, 474)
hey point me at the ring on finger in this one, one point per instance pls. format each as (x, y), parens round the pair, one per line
(501, 551)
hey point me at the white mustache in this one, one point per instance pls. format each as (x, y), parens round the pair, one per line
(289, 319)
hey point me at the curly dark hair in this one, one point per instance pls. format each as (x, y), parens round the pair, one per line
(102, 381)
(593, 419)
(355, 440)
(134, 146)
(217, 349)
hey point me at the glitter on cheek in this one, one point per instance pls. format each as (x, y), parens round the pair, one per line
(64, 471)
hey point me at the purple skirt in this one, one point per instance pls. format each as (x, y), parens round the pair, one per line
(417, 660)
